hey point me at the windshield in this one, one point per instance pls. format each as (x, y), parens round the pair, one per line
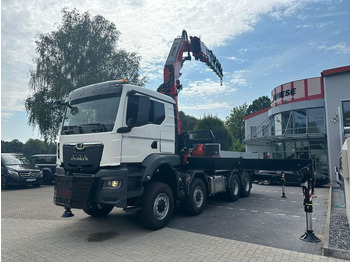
(91, 115)
(44, 159)
(16, 160)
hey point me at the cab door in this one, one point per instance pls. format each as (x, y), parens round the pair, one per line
(142, 136)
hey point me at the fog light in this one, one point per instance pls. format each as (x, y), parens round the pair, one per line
(112, 183)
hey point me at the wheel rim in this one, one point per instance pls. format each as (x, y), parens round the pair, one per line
(198, 196)
(161, 206)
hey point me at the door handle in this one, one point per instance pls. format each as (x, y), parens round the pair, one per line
(154, 145)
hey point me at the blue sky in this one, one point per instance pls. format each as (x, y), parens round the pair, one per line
(260, 44)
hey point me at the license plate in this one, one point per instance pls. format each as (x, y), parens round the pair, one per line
(31, 179)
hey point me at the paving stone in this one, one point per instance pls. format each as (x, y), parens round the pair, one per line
(42, 235)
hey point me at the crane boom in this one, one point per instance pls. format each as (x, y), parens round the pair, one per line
(174, 63)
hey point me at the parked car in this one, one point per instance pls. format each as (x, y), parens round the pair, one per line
(291, 178)
(47, 164)
(17, 169)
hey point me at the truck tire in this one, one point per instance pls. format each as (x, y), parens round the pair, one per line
(234, 189)
(3, 182)
(157, 205)
(197, 198)
(246, 184)
(266, 182)
(47, 178)
(98, 212)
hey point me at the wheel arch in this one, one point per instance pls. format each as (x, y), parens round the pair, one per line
(192, 175)
(160, 168)
(46, 170)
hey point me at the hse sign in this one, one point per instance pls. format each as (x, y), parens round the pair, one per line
(296, 91)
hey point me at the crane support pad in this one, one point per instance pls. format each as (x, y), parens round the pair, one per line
(222, 163)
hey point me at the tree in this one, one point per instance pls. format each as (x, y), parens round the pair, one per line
(15, 146)
(31, 147)
(221, 133)
(80, 52)
(187, 122)
(259, 104)
(34, 146)
(235, 122)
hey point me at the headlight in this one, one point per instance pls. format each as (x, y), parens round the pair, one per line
(40, 173)
(13, 173)
(112, 184)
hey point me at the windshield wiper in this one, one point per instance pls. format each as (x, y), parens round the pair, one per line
(102, 126)
(71, 129)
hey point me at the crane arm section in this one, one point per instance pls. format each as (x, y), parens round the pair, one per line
(174, 63)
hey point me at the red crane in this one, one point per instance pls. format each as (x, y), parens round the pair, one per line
(174, 63)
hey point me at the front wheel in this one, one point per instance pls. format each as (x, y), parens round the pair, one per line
(197, 198)
(47, 178)
(98, 211)
(157, 205)
(3, 182)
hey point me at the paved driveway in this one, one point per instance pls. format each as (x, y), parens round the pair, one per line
(262, 218)
(32, 230)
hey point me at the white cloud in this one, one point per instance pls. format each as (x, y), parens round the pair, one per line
(148, 27)
(210, 105)
(237, 78)
(206, 88)
(340, 48)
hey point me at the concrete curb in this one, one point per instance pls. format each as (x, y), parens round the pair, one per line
(328, 251)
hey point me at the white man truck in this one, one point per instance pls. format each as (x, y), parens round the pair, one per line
(121, 145)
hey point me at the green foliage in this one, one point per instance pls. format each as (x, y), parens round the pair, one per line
(15, 146)
(187, 122)
(221, 133)
(237, 146)
(235, 122)
(259, 104)
(31, 147)
(80, 52)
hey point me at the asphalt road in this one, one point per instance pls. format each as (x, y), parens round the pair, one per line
(29, 217)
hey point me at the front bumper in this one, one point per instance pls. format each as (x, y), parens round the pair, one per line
(84, 190)
(19, 181)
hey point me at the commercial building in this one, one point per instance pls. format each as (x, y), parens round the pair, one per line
(308, 118)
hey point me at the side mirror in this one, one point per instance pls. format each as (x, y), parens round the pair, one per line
(124, 129)
(57, 104)
(74, 110)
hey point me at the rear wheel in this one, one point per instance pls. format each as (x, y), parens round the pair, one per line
(266, 182)
(197, 198)
(98, 211)
(246, 184)
(3, 182)
(157, 205)
(234, 189)
(47, 178)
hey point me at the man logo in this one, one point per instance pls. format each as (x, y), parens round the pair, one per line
(80, 146)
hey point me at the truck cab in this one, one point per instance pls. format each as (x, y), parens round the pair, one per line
(114, 137)
(113, 123)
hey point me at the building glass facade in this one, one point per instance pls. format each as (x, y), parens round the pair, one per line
(308, 118)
